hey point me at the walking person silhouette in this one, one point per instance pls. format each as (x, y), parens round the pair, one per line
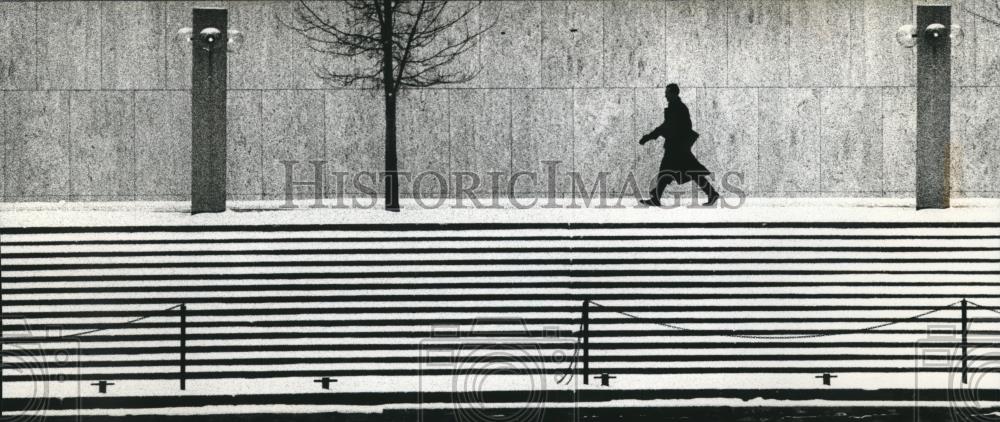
(679, 163)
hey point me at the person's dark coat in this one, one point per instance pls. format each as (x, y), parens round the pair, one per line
(678, 160)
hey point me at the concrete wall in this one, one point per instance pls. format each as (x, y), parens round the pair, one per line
(806, 97)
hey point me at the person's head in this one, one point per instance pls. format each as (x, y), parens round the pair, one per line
(673, 92)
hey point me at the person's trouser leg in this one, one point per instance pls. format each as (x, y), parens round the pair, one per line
(663, 178)
(706, 185)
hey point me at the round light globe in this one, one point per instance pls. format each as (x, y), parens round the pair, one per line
(935, 31)
(235, 41)
(210, 35)
(906, 36)
(956, 34)
(183, 37)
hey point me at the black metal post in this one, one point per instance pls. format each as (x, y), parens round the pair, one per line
(183, 371)
(965, 341)
(586, 342)
(933, 109)
(208, 110)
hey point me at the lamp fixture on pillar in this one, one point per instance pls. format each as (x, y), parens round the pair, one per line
(907, 35)
(933, 36)
(209, 41)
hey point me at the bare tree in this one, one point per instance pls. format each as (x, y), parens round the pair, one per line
(392, 44)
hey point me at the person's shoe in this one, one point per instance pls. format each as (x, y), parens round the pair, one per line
(650, 202)
(711, 201)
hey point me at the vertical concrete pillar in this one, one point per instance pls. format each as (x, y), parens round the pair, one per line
(208, 110)
(933, 109)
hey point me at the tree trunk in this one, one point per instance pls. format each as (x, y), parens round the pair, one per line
(392, 177)
(389, 88)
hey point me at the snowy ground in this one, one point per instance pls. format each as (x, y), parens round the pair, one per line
(271, 212)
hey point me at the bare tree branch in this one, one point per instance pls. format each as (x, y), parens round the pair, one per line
(390, 45)
(983, 16)
(421, 50)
